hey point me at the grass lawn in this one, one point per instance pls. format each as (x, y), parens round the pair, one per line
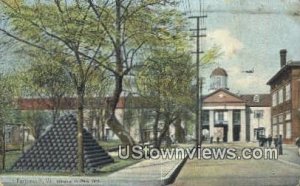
(10, 158)
(119, 164)
(109, 144)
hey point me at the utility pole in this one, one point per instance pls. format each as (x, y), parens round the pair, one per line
(199, 81)
(23, 137)
(3, 147)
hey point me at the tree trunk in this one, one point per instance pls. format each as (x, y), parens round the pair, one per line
(1, 154)
(120, 131)
(165, 130)
(98, 124)
(113, 122)
(56, 108)
(90, 121)
(179, 131)
(80, 107)
(3, 148)
(163, 134)
(155, 129)
(141, 125)
(105, 119)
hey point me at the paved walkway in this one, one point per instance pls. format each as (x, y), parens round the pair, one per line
(237, 173)
(146, 173)
(242, 172)
(290, 155)
(152, 172)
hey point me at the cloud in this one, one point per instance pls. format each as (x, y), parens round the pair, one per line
(244, 83)
(228, 44)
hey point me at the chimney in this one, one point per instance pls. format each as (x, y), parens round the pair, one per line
(283, 57)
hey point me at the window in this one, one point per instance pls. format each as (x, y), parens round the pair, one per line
(280, 96)
(259, 132)
(274, 120)
(236, 117)
(274, 131)
(258, 114)
(280, 130)
(218, 82)
(288, 116)
(221, 117)
(256, 98)
(287, 92)
(274, 99)
(205, 117)
(288, 131)
(280, 118)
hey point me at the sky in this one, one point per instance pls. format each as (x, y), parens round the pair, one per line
(250, 34)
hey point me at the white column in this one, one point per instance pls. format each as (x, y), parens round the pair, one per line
(211, 123)
(243, 126)
(251, 128)
(230, 127)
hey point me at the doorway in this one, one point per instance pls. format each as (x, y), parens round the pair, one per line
(225, 133)
(236, 132)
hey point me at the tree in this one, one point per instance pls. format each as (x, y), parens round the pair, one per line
(169, 86)
(6, 109)
(134, 30)
(61, 30)
(98, 87)
(167, 79)
(47, 79)
(86, 35)
(37, 121)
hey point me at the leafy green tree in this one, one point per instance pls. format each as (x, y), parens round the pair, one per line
(37, 121)
(63, 30)
(134, 30)
(6, 109)
(98, 87)
(89, 35)
(166, 80)
(47, 79)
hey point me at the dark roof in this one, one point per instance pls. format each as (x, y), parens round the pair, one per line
(289, 65)
(264, 100)
(57, 150)
(219, 72)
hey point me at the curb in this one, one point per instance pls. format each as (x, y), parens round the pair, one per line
(171, 176)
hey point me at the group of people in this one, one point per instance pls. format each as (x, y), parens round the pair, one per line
(277, 143)
(268, 141)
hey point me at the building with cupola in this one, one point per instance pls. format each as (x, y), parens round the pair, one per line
(218, 79)
(229, 117)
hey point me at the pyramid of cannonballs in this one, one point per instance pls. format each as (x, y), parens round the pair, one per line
(57, 150)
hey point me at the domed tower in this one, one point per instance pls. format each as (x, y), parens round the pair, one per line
(218, 79)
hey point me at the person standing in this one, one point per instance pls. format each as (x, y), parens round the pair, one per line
(280, 150)
(276, 141)
(270, 140)
(298, 145)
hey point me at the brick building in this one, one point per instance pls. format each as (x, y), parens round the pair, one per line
(285, 92)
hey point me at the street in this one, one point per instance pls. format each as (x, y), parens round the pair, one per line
(281, 172)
